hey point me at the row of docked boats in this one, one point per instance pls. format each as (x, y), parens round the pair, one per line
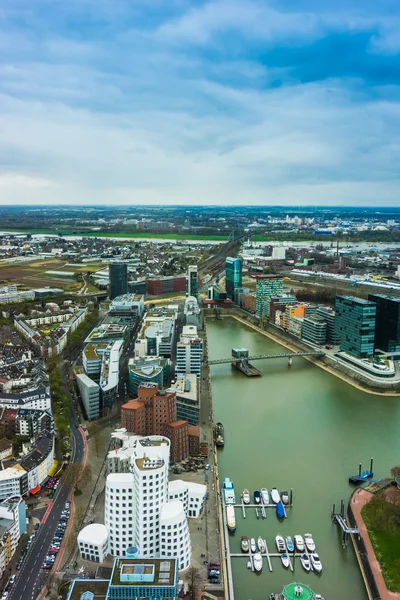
(309, 560)
(266, 498)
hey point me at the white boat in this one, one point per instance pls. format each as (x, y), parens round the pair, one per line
(261, 545)
(305, 562)
(316, 563)
(246, 496)
(230, 517)
(280, 543)
(253, 545)
(285, 560)
(309, 542)
(299, 543)
(248, 564)
(289, 544)
(245, 544)
(285, 497)
(264, 496)
(275, 496)
(257, 562)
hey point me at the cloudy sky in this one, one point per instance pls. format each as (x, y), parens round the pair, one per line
(185, 101)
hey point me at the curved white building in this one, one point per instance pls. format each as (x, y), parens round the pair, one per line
(119, 512)
(174, 533)
(93, 542)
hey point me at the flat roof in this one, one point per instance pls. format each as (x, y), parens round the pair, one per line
(80, 586)
(165, 570)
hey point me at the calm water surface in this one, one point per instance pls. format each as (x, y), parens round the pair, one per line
(297, 428)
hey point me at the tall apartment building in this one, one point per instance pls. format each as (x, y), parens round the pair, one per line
(192, 282)
(314, 329)
(355, 325)
(233, 275)
(387, 329)
(267, 286)
(329, 316)
(188, 352)
(138, 510)
(118, 273)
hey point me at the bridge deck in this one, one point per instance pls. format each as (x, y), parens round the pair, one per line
(221, 361)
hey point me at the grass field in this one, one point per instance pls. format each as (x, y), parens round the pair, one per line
(32, 274)
(385, 541)
(139, 235)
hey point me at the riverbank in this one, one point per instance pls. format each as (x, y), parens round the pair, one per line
(317, 362)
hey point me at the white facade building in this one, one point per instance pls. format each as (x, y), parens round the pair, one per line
(192, 495)
(188, 352)
(174, 534)
(119, 512)
(93, 542)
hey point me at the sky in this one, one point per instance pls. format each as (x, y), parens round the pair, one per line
(229, 102)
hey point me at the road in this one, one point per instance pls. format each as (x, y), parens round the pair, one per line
(29, 582)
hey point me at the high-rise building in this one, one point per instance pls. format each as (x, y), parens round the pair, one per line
(329, 316)
(313, 329)
(118, 273)
(266, 287)
(192, 282)
(355, 325)
(188, 352)
(90, 394)
(387, 329)
(233, 275)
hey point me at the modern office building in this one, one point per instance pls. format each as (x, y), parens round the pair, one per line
(191, 311)
(186, 388)
(127, 308)
(314, 330)
(188, 352)
(233, 275)
(387, 329)
(355, 325)
(192, 282)
(119, 515)
(93, 542)
(149, 369)
(90, 394)
(118, 274)
(267, 286)
(329, 316)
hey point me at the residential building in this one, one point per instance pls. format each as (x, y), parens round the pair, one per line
(149, 369)
(329, 316)
(249, 303)
(90, 394)
(6, 449)
(192, 285)
(13, 482)
(118, 275)
(314, 330)
(355, 325)
(12, 527)
(189, 352)
(233, 275)
(38, 398)
(267, 286)
(387, 329)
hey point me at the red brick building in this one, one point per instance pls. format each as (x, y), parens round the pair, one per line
(153, 412)
(177, 433)
(249, 302)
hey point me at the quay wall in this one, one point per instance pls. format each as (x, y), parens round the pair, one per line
(294, 344)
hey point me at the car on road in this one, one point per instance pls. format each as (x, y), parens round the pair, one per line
(207, 466)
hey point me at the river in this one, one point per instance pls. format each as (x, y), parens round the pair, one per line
(302, 428)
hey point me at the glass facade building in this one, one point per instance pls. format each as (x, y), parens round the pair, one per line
(355, 325)
(387, 330)
(118, 272)
(233, 275)
(266, 287)
(314, 330)
(192, 282)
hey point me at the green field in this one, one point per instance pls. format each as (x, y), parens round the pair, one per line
(381, 519)
(138, 235)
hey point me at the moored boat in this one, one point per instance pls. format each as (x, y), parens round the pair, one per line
(316, 562)
(230, 517)
(246, 496)
(285, 560)
(257, 497)
(309, 542)
(253, 545)
(261, 545)
(275, 496)
(280, 543)
(299, 543)
(257, 561)
(305, 562)
(245, 543)
(289, 544)
(219, 435)
(264, 496)
(280, 511)
(229, 491)
(285, 497)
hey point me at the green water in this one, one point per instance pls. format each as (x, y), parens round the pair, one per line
(297, 428)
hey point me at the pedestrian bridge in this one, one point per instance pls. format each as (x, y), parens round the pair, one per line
(221, 361)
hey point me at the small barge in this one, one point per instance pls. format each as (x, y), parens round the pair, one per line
(219, 435)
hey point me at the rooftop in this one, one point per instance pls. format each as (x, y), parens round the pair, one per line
(95, 533)
(148, 464)
(161, 571)
(80, 586)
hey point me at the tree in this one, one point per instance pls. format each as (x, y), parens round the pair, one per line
(194, 580)
(395, 472)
